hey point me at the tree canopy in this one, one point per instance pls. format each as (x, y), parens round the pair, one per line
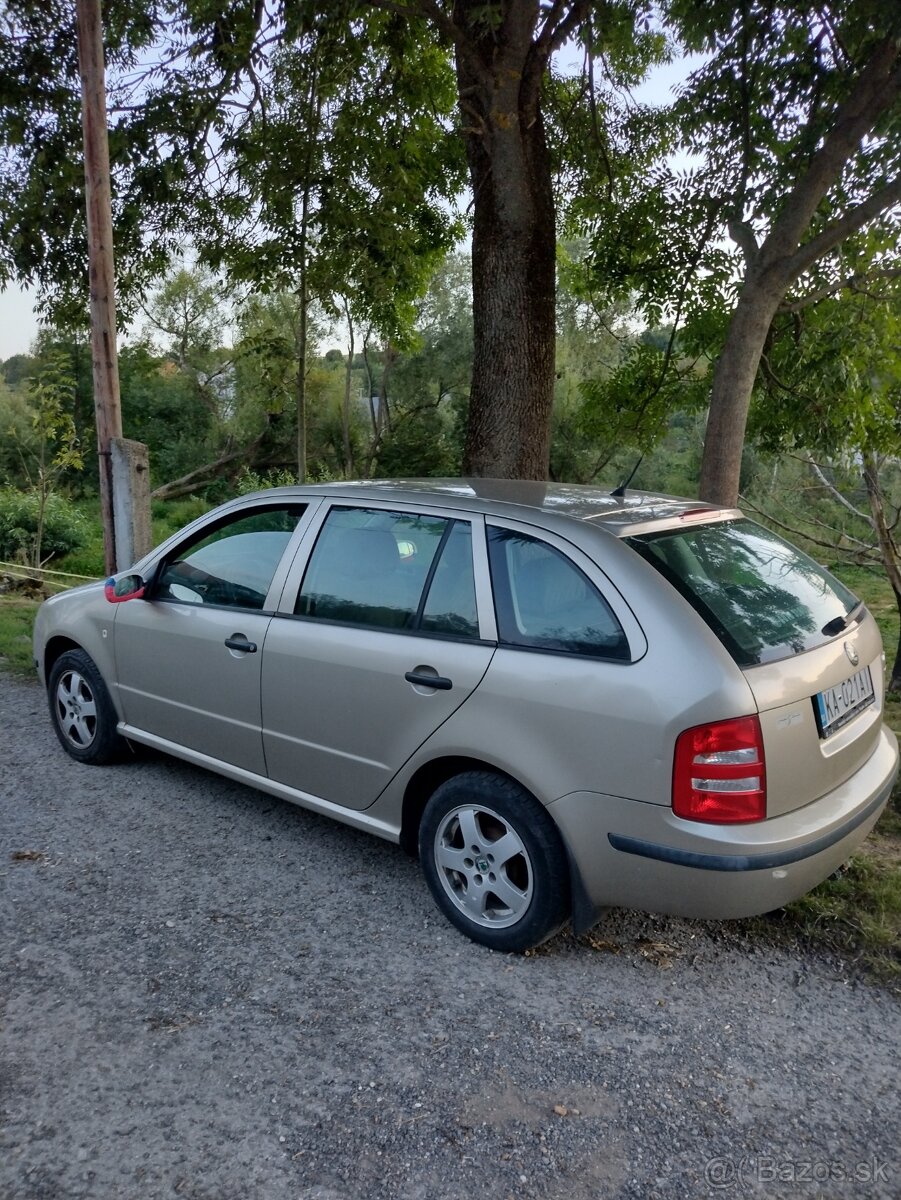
(791, 192)
(322, 151)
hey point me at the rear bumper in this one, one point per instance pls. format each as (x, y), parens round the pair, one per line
(624, 853)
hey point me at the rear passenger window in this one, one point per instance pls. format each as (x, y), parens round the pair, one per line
(545, 602)
(392, 570)
(450, 606)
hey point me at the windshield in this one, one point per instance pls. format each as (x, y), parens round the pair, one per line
(761, 596)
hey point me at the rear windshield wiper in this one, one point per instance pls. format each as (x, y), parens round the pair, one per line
(842, 621)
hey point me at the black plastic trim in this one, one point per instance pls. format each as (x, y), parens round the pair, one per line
(241, 644)
(747, 862)
(439, 682)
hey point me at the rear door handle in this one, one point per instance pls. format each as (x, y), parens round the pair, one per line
(240, 642)
(422, 679)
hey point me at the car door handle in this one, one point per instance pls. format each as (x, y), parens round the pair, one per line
(240, 642)
(421, 679)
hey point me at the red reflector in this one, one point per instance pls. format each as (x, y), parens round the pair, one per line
(719, 773)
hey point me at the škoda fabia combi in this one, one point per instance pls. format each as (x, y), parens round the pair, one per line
(560, 699)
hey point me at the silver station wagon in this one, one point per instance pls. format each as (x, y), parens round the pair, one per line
(561, 699)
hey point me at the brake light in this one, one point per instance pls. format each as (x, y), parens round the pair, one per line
(719, 773)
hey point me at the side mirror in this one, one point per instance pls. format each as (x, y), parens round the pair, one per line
(126, 587)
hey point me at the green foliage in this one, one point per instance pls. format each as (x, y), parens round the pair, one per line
(53, 392)
(169, 516)
(17, 369)
(769, 91)
(254, 481)
(42, 236)
(420, 444)
(308, 147)
(684, 237)
(165, 408)
(186, 319)
(859, 909)
(64, 529)
(830, 381)
(17, 434)
(347, 175)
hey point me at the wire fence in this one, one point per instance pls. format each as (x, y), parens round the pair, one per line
(44, 576)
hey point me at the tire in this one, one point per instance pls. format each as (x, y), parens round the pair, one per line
(82, 711)
(494, 861)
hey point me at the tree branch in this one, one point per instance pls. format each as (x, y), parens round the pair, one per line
(851, 282)
(854, 219)
(563, 29)
(202, 475)
(869, 553)
(444, 24)
(876, 90)
(743, 236)
(835, 493)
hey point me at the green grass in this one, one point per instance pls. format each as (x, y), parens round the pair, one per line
(856, 913)
(16, 621)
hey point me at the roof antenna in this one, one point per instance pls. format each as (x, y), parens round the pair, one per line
(621, 490)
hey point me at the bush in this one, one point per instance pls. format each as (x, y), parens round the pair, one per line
(65, 529)
(169, 516)
(253, 481)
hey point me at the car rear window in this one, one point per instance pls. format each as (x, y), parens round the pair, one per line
(761, 596)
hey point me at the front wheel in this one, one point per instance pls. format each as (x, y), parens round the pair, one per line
(494, 861)
(82, 711)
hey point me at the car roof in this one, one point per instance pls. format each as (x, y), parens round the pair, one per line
(627, 514)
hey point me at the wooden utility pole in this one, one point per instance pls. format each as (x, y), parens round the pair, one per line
(100, 257)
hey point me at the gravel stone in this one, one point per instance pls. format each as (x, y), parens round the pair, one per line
(210, 994)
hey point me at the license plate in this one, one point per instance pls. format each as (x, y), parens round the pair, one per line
(836, 706)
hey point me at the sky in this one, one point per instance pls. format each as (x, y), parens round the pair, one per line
(19, 325)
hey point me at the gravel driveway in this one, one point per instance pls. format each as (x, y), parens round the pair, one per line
(208, 993)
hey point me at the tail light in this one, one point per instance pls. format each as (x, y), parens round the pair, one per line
(719, 773)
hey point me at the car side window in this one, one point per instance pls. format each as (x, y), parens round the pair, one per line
(231, 565)
(545, 602)
(450, 606)
(389, 570)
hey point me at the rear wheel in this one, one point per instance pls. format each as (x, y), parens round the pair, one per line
(494, 861)
(82, 711)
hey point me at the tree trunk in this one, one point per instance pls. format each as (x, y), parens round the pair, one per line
(301, 388)
(786, 253)
(101, 271)
(314, 110)
(888, 548)
(894, 679)
(384, 412)
(730, 396)
(513, 246)
(345, 409)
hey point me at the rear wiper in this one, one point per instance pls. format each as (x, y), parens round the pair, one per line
(837, 624)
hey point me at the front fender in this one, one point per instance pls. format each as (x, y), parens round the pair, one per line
(81, 617)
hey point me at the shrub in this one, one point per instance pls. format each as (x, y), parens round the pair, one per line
(254, 481)
(64, 530)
